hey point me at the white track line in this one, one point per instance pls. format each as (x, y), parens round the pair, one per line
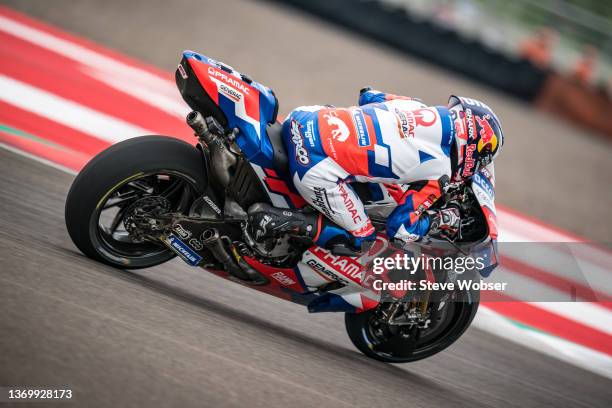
(152, 89)
(67, 112)
(572, 353)
(38, 159)
(79, 53)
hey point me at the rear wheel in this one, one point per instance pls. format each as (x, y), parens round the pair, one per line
(150, 173)
(389, 345)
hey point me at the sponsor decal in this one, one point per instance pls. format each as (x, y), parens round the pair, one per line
(228, 79)
(407, 123)
(349, 204)
(482, 183)
(301, 154)
(469, 162)
(321, 201)
(485, 172)
(310, 134)
(283, 279)
(230, 92)
(410, 237)
(459, 126)
(339, 130)
(482, 197)
(196, 244)
(424, 117)
(182, 71)
(332, 148)
(212, 204)
(474, 102)
(471, 126)
(263, 226)
(364, 231)
(181, 231)
(319, 267)
(487, 135)
(363, 138)
(425, 205)
(184, 251)
(344, 265)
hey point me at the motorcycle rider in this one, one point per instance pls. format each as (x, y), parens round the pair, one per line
(410, 149)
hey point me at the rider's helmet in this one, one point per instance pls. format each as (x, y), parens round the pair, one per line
(478, 135)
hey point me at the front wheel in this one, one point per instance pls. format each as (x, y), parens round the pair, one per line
(149, 171)
(385, 344)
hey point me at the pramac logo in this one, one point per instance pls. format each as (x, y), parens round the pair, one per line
(228, 79)
(408, 121)
(424, 117)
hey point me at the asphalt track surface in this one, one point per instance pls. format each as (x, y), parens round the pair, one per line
(177, 336)
(549, 169)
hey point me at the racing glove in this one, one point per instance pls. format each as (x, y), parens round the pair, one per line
(444, 223)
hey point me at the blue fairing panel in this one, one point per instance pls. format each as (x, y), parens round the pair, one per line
(247, 105)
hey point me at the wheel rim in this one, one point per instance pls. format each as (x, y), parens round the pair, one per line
(429, 339)
(107, 228)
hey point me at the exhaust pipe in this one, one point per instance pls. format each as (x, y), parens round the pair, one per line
(238, 268)
(196, 122)
(222, 159)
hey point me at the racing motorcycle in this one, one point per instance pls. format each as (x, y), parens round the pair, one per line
(145, 200)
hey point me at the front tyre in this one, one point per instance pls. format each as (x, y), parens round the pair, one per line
(380, 343)
(148, 168)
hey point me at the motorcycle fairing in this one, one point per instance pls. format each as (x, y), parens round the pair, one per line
(246, 104)
(239, 102)
(216, 89)
(483, 186)
(294, 284)
(280, 190)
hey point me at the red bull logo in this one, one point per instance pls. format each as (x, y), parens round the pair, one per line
(487, 135)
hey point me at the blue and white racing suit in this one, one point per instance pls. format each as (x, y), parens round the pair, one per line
(397, 142)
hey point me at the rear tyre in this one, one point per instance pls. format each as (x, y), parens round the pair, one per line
(160, 168)
(379, 344)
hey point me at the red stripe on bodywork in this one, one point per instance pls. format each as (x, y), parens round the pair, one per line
(279, 186)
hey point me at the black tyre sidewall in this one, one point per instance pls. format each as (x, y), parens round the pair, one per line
(356, 322)
(110, 168)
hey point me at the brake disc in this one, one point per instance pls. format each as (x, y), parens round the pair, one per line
(142, 217)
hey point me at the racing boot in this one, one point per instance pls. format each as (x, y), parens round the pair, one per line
(267, 222)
